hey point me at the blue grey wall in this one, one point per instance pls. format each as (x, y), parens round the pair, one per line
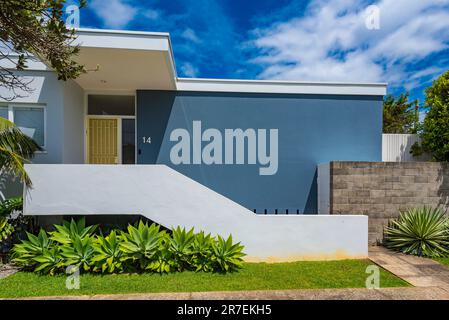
(313, 129)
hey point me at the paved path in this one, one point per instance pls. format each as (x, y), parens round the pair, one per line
(7, 270)
(309, 294)
(419, 272)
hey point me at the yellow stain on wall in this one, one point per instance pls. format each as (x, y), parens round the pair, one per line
(338, 255)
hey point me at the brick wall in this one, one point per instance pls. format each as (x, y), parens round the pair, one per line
(382, 189)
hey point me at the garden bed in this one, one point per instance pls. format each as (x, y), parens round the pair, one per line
(252, 276)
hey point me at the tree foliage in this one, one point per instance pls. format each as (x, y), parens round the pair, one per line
(400, 115)
(435, 132)
(15, 149)
(35, 28)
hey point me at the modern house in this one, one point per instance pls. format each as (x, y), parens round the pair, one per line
(129, 136)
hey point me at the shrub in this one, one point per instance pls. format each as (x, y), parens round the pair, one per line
(227, 255)
(180, 248)
(38, 253)
(141, 244)
(6, 229)
(107, 257)
(202, 252)
(13, 225)
(421, 232)
(435, 129)
(143, 248)
(68, 232)
(8, 206)
(78, 253)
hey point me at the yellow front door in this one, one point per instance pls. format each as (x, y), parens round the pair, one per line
(103, 141)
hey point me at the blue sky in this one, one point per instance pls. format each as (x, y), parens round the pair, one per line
(309, 40)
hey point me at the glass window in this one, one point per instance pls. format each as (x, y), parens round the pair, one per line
(111, 105)
(128, 141)
(4, 112)
(31, 122)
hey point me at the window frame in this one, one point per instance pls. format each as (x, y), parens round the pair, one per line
(12, 106)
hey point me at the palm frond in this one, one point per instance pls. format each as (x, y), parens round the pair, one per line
(16, 148)
(13, 139)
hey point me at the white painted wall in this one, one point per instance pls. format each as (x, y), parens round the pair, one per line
(171, 199)
(48, 91)
(73, 147)
(324, 188)
(396, 148)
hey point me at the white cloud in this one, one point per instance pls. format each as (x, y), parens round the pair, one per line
(152, 14)
(114, 13)
(189, 70)
(331, 42)
(190, 35)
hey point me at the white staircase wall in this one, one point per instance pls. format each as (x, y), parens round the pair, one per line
(171, 199)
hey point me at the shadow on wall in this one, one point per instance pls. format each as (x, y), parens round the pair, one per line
(443, 181)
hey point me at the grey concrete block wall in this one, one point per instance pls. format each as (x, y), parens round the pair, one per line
(381, 190)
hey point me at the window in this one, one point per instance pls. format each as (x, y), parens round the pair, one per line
(29, 119)
(4, 112)
(104, 105)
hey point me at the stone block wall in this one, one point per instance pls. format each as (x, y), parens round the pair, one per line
(382, 189)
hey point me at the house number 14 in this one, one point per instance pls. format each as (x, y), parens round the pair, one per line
(146, 140)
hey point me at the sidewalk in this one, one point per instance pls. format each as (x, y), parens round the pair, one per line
(419, 272)
(428, 293)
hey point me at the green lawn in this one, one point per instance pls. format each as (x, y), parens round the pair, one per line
(253, 276)
(444, 261)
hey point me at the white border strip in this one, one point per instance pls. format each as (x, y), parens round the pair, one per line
(288, 87)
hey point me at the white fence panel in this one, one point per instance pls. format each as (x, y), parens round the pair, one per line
(396, 148)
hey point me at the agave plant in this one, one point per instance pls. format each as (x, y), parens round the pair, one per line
(202, 248)
(226, 255)
(162, 261)
(6, 229)
(107, 251)
(25, 253)
(79, 253)
(141, 244)
(49, 262)
(421, 232)
(69, 231)
(181, 247)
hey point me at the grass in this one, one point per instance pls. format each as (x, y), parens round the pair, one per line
(444, 260)
(253, 276)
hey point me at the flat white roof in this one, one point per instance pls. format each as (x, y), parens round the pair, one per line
(124, 43)
(288, 87)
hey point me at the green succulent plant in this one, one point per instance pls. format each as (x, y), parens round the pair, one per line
(38, 252)
(108, 255)
(419, 231)
(69, 231)
(180, 246)
(227, 255)
(202, 249)
(143, 248)
(141, 244)
(79, 253)
(49, 262)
